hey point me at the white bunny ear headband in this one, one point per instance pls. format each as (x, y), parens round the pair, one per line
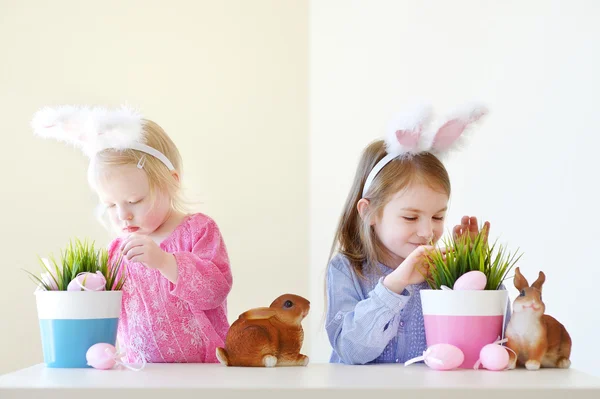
(409, 134)
(95, 129)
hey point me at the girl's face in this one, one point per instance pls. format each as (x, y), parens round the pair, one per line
(125, 192)
(413, 217)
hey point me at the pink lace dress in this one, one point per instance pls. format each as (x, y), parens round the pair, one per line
(184, 322)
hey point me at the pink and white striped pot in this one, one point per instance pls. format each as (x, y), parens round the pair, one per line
(468, 320)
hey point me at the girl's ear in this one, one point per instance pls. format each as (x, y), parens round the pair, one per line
(363, 206)
(175, 176)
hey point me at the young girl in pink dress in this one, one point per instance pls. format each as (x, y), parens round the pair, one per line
(177, 269)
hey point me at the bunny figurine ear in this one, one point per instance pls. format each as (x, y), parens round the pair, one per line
(258, 314)
(451, 134)
(404, 131)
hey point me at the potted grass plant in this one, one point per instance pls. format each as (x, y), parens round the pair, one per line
(78, 301)
(466, 305)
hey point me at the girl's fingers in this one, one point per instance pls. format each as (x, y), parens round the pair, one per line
(473, 228)
(445, 250)
(424, 269)
(138, 242)
(456, 231)
(132, 253)
(136, 258)
(127, 239)
(486, 227)
(426, 249)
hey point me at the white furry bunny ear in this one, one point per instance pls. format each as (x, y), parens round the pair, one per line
(90, 129)
(451, 134)
(405, 130)
(95, 129)
(66, 123)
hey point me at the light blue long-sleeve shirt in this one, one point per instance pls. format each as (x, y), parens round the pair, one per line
(368, 323)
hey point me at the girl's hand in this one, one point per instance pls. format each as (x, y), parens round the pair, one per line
(412, 271)
(468, 225)
(141, 248)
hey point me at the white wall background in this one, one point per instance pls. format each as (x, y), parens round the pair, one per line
(215, 73)
(228, 82)
(531, 168)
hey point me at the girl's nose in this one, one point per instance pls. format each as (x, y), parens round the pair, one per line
(125, 215)
(425, 231)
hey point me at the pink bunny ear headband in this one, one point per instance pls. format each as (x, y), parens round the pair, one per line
(409, 134)
(95, 129)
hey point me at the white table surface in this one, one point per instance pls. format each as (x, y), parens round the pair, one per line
(314, 381)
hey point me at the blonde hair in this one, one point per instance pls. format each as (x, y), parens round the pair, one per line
(355, 238)
(160, 178)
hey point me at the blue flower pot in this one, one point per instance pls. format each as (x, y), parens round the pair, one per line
(72, 321)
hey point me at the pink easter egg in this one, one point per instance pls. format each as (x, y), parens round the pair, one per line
(494, 357)
(443, 357)
(473, 280)
(91, 281)
(101, 356)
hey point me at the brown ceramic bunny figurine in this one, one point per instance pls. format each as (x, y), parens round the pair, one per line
(538, 340)
(267, 337)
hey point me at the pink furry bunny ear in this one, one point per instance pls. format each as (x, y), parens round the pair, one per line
(405, 130)
(451, 134)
